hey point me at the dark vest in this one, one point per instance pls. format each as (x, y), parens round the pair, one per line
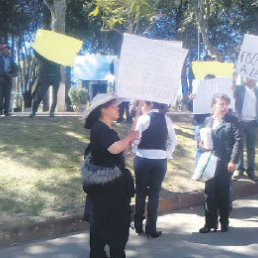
(155, 136)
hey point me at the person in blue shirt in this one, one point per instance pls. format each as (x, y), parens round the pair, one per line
(8, 70)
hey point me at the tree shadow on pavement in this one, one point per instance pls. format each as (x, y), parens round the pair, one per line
(245, 213)
(238, 236)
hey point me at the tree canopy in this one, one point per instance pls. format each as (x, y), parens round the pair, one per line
(100, 23)
(216, 27)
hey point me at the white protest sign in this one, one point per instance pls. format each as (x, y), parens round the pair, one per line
(93, 67)
(150, 69)
(205, 89)
(247, 63)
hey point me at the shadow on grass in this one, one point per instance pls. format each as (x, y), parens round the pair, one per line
(184, 134)
(46, 201)
(68, 197)
(13, 204)
(39, 142)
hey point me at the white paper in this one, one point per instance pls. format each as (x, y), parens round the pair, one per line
(150, 69)
(247, 63)
(206, 138)
(206, 88)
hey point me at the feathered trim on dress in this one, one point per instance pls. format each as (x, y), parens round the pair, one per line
(94, 174)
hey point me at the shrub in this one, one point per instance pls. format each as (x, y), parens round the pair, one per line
(78, 96)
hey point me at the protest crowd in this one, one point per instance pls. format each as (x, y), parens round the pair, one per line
(223, 99)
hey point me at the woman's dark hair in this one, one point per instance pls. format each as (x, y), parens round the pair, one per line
(161, 107)
(94, 116)
(148, 102)
(208, 58)
(220, 96)
(209, 76)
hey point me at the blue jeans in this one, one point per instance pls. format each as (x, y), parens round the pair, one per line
(248, 131)
(198, 150)
(149, 176)
(230, 195)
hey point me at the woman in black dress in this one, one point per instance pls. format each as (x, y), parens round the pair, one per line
(109, 186)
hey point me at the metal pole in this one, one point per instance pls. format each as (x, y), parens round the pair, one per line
(198, 34)
(198, 44)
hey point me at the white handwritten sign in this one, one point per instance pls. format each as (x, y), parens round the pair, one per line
(205, 89)
(150, 69)
(247, 63)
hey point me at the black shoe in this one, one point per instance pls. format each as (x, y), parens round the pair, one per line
(140, 232)
(8, 114)
(205, 229)
(224, 228)
(138, 226)
(154, 234)
(253, 177)
(238, 174)
(32, 114)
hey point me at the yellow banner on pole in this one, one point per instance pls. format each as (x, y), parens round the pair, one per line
(57, 47)
(201, 69)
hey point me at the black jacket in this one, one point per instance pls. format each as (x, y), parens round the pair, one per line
(226, 139)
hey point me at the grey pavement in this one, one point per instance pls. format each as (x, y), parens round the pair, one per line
(180, 238)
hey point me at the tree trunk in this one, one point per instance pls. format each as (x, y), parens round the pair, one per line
(57, 9)
(67, 88)
(199, 11)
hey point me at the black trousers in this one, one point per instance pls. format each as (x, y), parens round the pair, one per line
(149, 176)
(96, 88)
(41, 89)
(124, 108)
(5, 95)
(217, 201)
(115, 237)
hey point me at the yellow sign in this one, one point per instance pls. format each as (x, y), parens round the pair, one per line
(57, 47)
(201, 69)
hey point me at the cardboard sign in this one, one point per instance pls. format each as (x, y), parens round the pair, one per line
(247, 63)
(201, 69)
(205, 89)
(57, 47)
(150, 69)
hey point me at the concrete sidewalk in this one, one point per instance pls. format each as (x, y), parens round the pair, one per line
(180, 238)
(55, 228)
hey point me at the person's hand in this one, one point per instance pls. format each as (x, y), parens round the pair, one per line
(192, 96)
(235, 74)
(234, 79)
(133, 135)
(201, 145)
(231, 166)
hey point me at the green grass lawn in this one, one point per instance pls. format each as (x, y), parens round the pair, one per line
(40, 167)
